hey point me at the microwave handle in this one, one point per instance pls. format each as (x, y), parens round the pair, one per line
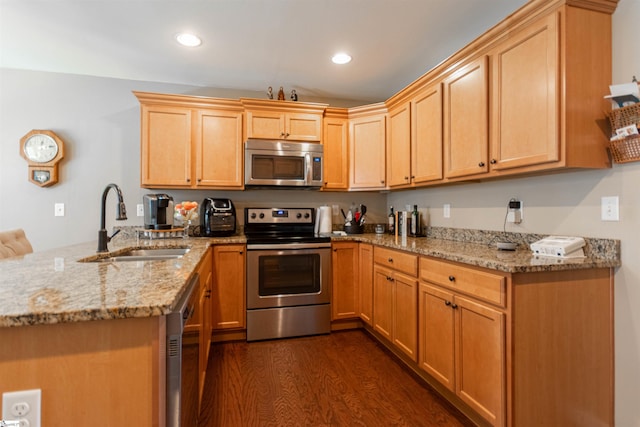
(308, 179)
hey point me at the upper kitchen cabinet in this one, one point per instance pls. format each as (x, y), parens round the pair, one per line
(399, 146)
(190, 142)
(296, 121)
(335, 139)
(414, 138)
(466, 120)
(548, 82)
(367, 144)
(525, 71)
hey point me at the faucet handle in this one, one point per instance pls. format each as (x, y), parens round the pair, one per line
(114, 234)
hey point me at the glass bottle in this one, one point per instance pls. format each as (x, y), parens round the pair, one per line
(392, 221)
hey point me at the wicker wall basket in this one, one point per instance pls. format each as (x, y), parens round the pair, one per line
(628, 149)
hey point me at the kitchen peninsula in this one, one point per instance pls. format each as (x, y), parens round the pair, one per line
(91, 334)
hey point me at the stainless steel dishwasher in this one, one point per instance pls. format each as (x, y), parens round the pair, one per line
(175, 327)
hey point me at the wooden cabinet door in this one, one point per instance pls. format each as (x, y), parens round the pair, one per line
(165, 155)
(219, 151)
(525, 76)
(367, 152)
(405, 314)
(382, 301)
(303, 127)
(426, 135)
(481, 358)
(228, 297)
(344, 303)
(436, 334)
(206, 281)
(265, 124)
(399, 146)
(466, 120)
(365, 282)
(336, 154)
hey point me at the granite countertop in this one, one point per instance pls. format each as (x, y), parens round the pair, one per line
(54, 287)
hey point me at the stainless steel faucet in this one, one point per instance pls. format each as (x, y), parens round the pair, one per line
(121, 215)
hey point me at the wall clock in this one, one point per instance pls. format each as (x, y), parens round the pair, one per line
(42, 149)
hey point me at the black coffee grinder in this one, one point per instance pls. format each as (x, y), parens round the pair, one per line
(158, 211)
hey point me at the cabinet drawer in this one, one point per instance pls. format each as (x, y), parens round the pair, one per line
(399, 261)
(481, 284)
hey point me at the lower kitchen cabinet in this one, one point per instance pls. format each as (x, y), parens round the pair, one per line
(204, 303)
(365, 282)
(395, 299)
(462, 346)
(228, 296)
(344, 288)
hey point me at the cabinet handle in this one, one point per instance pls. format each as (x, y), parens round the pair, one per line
(452, 279)
(282, 134)
(335, 250)
(382, 181)
(240, 252)
(447, 303)
(413, 177)
(481, 164)
(454, 306)
(390, 259)
(188, 179)
(208, 294)
(406, 178)
(493, 161)
(199, 179)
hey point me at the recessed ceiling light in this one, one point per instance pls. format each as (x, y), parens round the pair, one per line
(341, 58)
(188, 39)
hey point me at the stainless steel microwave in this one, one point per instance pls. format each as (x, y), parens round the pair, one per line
(283, 164)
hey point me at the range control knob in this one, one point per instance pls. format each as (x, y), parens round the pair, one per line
(261, 215)
(253, 215)
(298, 215)
(307, 215)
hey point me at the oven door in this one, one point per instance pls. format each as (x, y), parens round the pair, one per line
(288, 275)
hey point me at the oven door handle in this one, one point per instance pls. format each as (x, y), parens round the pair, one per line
(282, 246)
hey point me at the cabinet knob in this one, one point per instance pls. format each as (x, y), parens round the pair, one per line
(413, 177)
(493, 161)
(454, 306)
(241, 252)
(281, 133)
(188, 179)
(447, 303)
(199, 179)
(406, 178)
(208, 294)
(390, 259)
(481, 164)
(382, 181)
(452, 279)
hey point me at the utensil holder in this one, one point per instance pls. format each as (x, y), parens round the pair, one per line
(353, 229)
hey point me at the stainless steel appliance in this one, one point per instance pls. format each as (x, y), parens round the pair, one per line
(288, 274)
(217, 217)
(176, 406)
(158, 211)
(283, 164)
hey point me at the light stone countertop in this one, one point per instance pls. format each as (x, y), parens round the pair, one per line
(53, 287)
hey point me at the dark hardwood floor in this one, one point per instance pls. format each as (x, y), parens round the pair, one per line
(342, 379)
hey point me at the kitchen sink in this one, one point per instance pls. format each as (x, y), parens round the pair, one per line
(147, 254)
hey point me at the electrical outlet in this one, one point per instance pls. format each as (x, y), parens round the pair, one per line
(610, 210)
(140, 208)
(515, 215)
(23, 406)
(58, 209)
(447, 210)
(335, 210)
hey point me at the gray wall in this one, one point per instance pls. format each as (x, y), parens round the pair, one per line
(99, 121)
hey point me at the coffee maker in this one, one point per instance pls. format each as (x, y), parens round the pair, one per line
(158, 211)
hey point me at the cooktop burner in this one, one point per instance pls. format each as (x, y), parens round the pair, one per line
(281, 225)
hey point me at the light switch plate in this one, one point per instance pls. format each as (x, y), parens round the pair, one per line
(610, 209)
(447, 210)
(58, 209)
(140, 209)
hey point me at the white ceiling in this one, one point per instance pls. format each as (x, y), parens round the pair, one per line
(247, 44)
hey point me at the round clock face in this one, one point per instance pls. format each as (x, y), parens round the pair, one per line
(40, 148)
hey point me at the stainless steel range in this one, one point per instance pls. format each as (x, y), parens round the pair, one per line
(288, 274)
